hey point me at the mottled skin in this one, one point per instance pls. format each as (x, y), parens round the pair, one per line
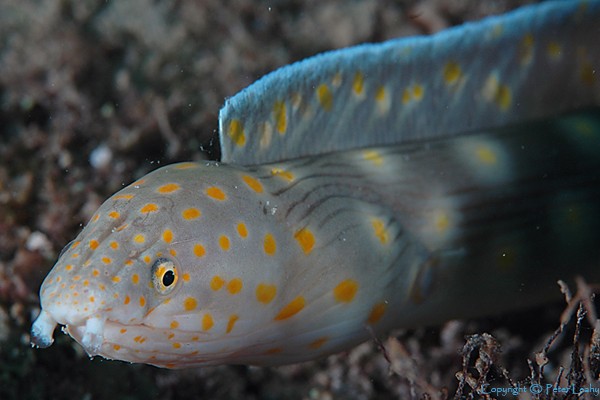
(330, 246)
(210, 263)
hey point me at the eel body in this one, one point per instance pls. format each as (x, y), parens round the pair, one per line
(405, 216)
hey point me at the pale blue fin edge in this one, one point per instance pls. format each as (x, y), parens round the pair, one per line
(535, 62)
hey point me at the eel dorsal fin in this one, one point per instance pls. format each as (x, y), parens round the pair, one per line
(535, 62)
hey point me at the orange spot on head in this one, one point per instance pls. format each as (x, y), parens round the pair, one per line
(68, 267)
(291, 309)
(235, 286)
(142, 301)
(114, 214)
(106, 260)
(190, 213)
(253, 183)
(207, 322)
(94, 244)
(174, 324)
(167, 235)
(265, 293)
(224, 242)
(316, 344)
(305, 239)
(269, 244)
(190, 304)
(231, 322)
(186, 277)
(149, 208)
(376, 313)
(123, 196)
(95, 273)
(116, 279)
(127, 300)
(345, 291)
(114, 245)
(199, 250)
(215, 193)
(242, 230)
(139, 238)
(168, 188)
(216, 283)
(176, 345)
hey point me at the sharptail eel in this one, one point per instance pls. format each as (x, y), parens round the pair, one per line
(380, 186)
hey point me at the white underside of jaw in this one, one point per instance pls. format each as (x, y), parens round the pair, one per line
(90, 335)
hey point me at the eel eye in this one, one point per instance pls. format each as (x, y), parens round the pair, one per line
(164, 275)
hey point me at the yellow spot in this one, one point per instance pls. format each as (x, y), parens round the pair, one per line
(174, 324)
(168, 188)
(95, 217)
(94, 244)
(376, 313)
(215, 193)
(142, 301)
(265, 293)
(199, 250)
(101, 287)
(288, 176)
(236, 132)
(337, 80)
(190, 304)
(498, 93)
(441, 221)
(374, 157)
(406, 96)
(358, 84)
(95, 273)
(121, 227)
(269, 244)
(345, 291)
(173, 252)
(554, 50)
(114, 214)
(149, 208)
(139, 238)
(486, 155)
(186, 165)
(68, 267)
(116, 347)
(123, 196)
(316, 344)
(116, 279)
(231, 322)
(418, 92)
(588, 74)
(380, 230)
(139, 182)
(452, 72)
(216, 283)
(382, 100)
(291, 309)
(224, 242)
(325, 97)
(242, 230)
(235, 286)
(92, 299)
(207, 322)
(114, 245)
(305, 239)
(253, 183)
(135, 279)
(280, 116)
(176, 345)
(75, 244)
(106, 260)
(186, 277)
(167, 235)
(526, 49)
(190, 213)
(123, 330)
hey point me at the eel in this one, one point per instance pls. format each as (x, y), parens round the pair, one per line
(376, 187)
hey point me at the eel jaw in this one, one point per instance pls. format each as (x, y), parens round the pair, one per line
(42, 330)
(90, 335)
